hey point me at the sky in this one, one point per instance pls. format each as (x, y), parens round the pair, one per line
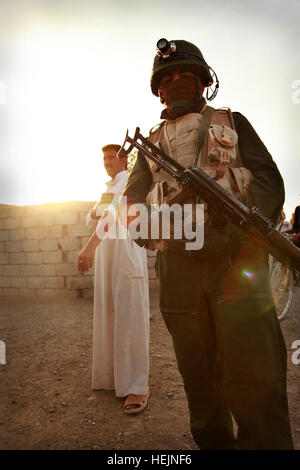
(74, 75)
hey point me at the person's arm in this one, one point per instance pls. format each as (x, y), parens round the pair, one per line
(86, 256)
(266, 190)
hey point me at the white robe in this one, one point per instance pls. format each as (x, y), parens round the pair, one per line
(121, 312)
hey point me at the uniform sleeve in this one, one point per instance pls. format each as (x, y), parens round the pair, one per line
(266, 190)
(139, 181)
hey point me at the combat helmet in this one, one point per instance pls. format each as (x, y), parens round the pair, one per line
(183, 55)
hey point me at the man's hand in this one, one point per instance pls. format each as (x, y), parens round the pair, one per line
(87, 254)
(85, 259)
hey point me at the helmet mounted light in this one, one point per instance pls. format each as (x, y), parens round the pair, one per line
(165, 48)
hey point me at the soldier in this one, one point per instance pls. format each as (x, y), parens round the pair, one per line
(216, 302)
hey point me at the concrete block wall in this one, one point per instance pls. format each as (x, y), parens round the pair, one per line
(38, 251)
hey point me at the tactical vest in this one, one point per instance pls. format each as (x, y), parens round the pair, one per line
(207, 140)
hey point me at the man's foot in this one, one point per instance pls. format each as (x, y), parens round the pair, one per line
(135, 403)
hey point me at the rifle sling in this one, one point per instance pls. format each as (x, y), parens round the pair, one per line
(205, 122)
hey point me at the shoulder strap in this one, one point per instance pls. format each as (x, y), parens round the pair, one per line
(205, 122)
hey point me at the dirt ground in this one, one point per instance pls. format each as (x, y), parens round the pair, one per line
(46, 401)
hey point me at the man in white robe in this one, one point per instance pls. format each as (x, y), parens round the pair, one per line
(121, 298)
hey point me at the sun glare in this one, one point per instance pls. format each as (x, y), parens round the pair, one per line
(58, 127)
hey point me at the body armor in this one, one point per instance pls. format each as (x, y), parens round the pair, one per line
(206, 139)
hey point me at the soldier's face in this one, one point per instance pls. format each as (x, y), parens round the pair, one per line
(179, 85)
(112, 164)
(175, 75)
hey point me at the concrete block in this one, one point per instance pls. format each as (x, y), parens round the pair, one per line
(27, 270)
(65, 269)
(3, 210)
(72, 257)
(46, 270)
(18, 234)
(4, 235)
(35, 282)
(4, 282)
(54, 232)
(30, 211)
(35, 233)
(70, 244)
(49, 244)
(30, 222)
(31, 245)
(4, 258)
(79, 282)
(12, 270)
(45, 220)
(15, 211)
(12, 222)
(66, 218)
(13, 246)
(17, 258)
(78, 230)
(17, 282)
(2, 247)
(54, 282)
(53, 257)
(35, 258)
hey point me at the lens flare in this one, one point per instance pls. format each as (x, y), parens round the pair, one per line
(248, 274)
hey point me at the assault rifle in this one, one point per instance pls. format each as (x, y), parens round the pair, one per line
(220, 202)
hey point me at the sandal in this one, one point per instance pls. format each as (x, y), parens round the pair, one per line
(135, 403)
